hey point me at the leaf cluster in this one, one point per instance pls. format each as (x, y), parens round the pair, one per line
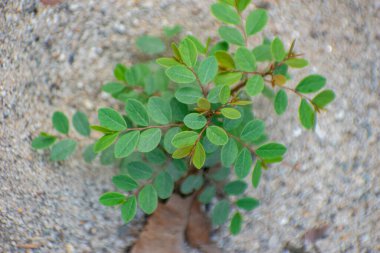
(187, 120)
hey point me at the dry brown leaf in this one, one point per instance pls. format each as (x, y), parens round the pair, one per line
(164, 232)
(316, 233)
(51, 2)
(198, 230)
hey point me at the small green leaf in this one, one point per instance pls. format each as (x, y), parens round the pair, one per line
(230, 113)
(156, 156)
(278, 49)
(255, 85)
(262, 53)
(252, 130)
(311, 84)
(112, 199)
(107, 157)
(159, 110)
(43, 141)
(256, 174)
(225, 13)
(61, 122)
(306, 114)
(256, 21)
(247, 203)
(88, 154)
(188, 52)
(195, 121)
(229, 153)
(113, 88)
(207, 194)
(172, 31)
(139, 170)
(199, 156)
(126, 144)
(125, 183)
(244, 60)
(168, 139)
(104, 142)
(242, 4)
(62, 150)
(224, 94)
(164, 185)
(200, 47)
(184, 139)
(119, 72)
(208, 70)
(220, 213)
(147, 199)
(111, 119)
(150, 45)
(217, 135)
(149, 140)
(231, 35)
(192, 182)
(324, 98)
(227, 78)
(129, 209)
(243, 163)
(102, 129)
(221, 174)
(271, 150)
(280, 102)
(188, 95)
(225, 60)
(236, 221)
(204, 104)
(80, 122)
(167, 62)
(136, 112)
(236, 187)
(182, 152)
(297, 63)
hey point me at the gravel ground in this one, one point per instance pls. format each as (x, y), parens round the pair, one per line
(57, 57)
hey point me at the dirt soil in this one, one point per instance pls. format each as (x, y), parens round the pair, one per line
(55, 57)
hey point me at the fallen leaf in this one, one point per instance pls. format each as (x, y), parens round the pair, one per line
(51, 2)
(316, 233)
(164, 232)
(198, 230)
(29, 246)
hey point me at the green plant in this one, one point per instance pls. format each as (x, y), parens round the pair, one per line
(188, 118)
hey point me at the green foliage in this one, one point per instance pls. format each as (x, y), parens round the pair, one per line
(188, 122)
(208, 70)
(243, 163)
(129, 209)
(256, 21)
(236, 223)
(150, 45)
(111, 119)
(43, 141)
(220, 213)
(147, 199)
(127, 144)
(281, 102)
(62, 150)
(61, 122)
(225, 13)
(81, 124)
(112, 199)
(231, 35)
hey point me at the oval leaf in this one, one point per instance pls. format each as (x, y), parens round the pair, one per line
(216, 135)
(147, 199)
(60, 122)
